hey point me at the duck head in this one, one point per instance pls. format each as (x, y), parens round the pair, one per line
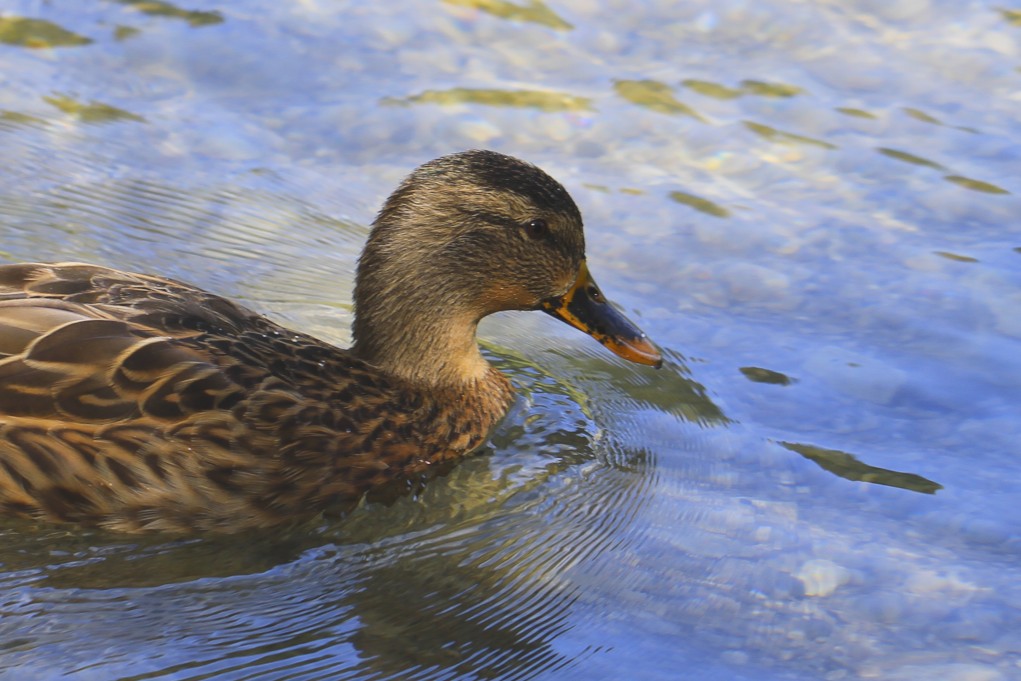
(462, 237)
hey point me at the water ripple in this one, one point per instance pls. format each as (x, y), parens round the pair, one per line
(476, 574)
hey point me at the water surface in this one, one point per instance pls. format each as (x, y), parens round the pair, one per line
(812, 207)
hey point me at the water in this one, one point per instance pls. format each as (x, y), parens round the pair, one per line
(812, 207)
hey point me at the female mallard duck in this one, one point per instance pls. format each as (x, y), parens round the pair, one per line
(136, 403)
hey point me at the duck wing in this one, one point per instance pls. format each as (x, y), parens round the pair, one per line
(90, 345)
(142, 403)
(117, 404)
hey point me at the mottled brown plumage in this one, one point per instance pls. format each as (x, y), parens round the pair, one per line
(136, 402)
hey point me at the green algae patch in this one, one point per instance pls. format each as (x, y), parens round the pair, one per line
(708, 88)
(776, 90)
(975, 185)
(909, 158)
(955, 256)
(159, 8)
(698, 203)
(91, 112)
(781, 137)
(534, 12)
(857, 113)
(654, 96)
(37, 34)
(543, 100)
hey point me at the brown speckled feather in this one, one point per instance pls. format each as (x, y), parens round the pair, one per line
(139, 403)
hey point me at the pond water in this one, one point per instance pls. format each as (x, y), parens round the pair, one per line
(813, 207)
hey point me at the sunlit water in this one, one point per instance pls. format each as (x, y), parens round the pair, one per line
(812, 206)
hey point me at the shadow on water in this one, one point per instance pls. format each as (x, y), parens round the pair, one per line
(670, 390)
(850, 467)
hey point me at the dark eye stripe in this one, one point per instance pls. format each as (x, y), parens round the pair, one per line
(493, 218)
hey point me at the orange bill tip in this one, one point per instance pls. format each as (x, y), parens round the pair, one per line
(584, 307)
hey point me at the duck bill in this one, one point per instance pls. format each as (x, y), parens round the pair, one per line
(584, 307)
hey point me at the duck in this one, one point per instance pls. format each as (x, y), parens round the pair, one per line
(137, 403)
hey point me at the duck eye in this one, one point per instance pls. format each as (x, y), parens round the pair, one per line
(537, 228)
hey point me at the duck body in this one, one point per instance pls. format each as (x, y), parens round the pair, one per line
(139, 403)
(153, 405)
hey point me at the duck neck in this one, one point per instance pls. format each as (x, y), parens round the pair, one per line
(416, 308)
(434, 351)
